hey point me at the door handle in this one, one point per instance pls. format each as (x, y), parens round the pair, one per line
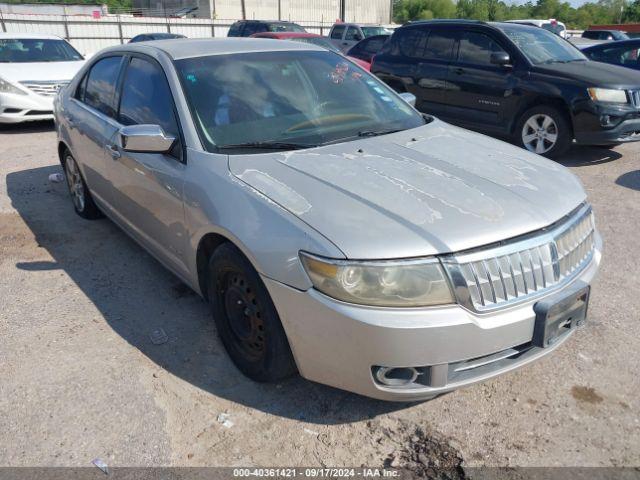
(113, 151)
(71, 122)
(458, 71)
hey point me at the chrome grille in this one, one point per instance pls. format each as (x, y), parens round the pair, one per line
(47, 89)
(486, 279)
(635, 97)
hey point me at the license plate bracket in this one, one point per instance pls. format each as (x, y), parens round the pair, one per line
(558, 314)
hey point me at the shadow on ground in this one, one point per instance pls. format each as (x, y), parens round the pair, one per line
(26, 128)
(137, 296)
(580, 156)
(629, 180)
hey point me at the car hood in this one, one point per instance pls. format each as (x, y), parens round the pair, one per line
(433, 189)
(593, 74)
(40, 71)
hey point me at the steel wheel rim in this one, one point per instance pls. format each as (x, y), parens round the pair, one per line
(539, 133)
(74, 182)
(244, 314)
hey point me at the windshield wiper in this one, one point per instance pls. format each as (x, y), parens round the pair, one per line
(375, 133)
(267, 146)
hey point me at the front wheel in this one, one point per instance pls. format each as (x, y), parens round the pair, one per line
(544, 130)
(247, 321)
(80, 195)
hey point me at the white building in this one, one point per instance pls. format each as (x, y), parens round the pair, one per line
(365, 11)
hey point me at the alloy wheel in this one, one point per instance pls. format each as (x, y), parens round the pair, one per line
(74, 181)
(540, 133)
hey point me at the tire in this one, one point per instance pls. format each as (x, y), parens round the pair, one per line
(544, 130)
(247, 321)
(81, 197)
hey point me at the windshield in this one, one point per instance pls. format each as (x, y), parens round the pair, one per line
(301, 97)
(320, 41)
(371, 31)
(553, 28)
(617, 35)
(541, 46)
(285, 27)
(36, 50)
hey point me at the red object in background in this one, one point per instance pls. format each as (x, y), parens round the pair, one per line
(294, 35)
(96, 14)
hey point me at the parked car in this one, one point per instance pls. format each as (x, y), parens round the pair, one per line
(625, 53)
(145, 37)
(512, 80)
(346, 35)
(367, 48)
(334, 229)
(605, 35)
(32, 69)
(312, 38)
(246, 28)
(552, 25)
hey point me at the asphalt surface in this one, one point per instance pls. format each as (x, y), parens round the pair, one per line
(81, 379)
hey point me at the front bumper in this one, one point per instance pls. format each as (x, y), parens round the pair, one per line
(338, 344)
(605, 125)
(25, 108)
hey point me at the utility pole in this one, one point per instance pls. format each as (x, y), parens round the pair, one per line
(244, 10)
(342, 10)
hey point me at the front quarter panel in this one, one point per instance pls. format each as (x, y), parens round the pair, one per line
(268, 235)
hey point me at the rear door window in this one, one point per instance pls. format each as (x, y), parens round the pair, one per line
(476, 48)
(440, 45)
(101, 85)
(337, 32)
(410, 42)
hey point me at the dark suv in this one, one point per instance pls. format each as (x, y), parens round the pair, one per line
(246, 28)
(512, 80)
(605, 35)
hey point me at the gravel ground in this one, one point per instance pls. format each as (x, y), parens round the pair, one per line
(81, 378)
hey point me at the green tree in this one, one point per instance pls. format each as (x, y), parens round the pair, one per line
(631, 13)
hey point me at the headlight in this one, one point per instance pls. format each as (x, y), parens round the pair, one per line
(6, 87)
(607, 95)
(397, 283)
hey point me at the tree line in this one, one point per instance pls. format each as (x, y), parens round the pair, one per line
(590, 13)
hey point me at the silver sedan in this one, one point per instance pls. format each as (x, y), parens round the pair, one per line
(334, 230)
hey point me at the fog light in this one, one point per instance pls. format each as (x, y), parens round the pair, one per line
(396, 376)
(605, 120)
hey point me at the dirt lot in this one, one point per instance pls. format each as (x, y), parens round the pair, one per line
(81, 379)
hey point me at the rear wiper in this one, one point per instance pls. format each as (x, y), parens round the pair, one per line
(375, 133)
(267, 146)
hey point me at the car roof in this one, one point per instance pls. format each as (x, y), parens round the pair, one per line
(265, 21)
(632, 42)
(201, 47)
(283, 35)
(28, 35)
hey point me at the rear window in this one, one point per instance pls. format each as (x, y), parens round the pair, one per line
(235, 29)
(285, 27)
(337, 32)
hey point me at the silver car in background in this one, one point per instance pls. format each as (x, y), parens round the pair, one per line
(334, 230)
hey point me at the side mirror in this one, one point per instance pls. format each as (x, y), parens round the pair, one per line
(145, 138)
(500, 58)
(410, 98)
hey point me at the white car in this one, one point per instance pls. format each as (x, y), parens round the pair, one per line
(33, 67)
(553, 25)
